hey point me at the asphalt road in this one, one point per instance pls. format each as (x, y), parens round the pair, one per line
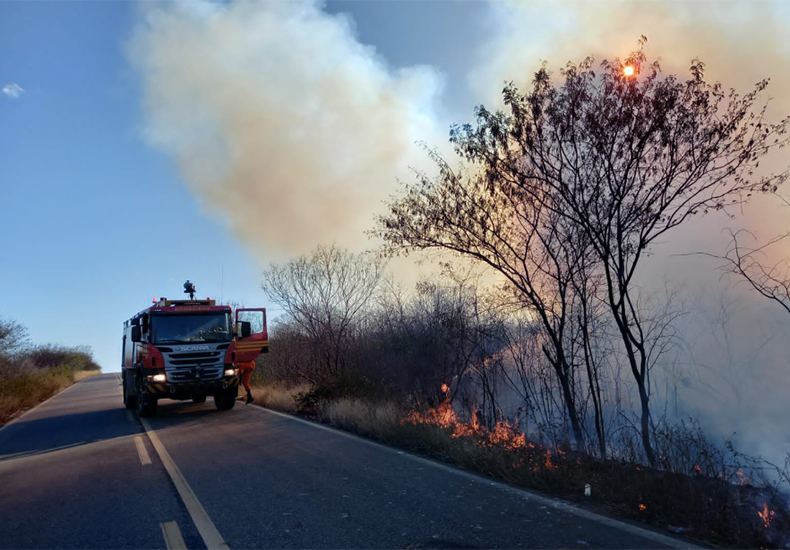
(79, 471)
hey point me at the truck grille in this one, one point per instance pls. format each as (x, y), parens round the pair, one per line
(200, 358)
(193, 366)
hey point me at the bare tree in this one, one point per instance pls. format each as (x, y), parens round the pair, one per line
(325, 294)
(769, 278)
(534, 249)
(608, 161)
(13, 339)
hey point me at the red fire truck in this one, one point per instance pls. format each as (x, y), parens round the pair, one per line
(188, 349)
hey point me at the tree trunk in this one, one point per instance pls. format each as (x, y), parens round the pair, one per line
(644, 398)
(561, 369)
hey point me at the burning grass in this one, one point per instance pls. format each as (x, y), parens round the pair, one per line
(704, 507)
(713, 499)
(707, 493)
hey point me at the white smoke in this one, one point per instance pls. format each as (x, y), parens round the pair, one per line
(279, 119)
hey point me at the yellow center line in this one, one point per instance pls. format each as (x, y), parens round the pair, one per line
(208, 531)
(172, 534)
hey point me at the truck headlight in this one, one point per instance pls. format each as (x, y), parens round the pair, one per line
(231, 372)
(158, 378)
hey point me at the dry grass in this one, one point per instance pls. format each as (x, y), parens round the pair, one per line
(277, 396)
(28, 389)
(694, 495)
(379, 421)
(707, 507)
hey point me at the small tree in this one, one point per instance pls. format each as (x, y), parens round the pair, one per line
(325, 294)
(604, 164)
(13, 339)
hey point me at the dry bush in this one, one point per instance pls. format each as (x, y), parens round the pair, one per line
(53, 356)
(31, 388)
(37, 373)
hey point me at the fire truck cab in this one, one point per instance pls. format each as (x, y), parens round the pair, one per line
(188, 349)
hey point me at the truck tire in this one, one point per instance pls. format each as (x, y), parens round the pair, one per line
(225, 400)
(146, 403)
(129, 401)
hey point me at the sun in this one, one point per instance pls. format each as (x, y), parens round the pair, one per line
(628, 70)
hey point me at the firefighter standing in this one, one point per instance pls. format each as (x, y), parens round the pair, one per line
(245, 369)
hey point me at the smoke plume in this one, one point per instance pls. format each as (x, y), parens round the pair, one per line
(280, 120)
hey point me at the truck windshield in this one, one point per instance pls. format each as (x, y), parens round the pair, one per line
(191, 328)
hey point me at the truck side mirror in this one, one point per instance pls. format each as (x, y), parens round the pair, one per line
(136, 335)
(246, 328)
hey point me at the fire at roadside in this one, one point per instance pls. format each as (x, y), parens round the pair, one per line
(734, 506)
(729, 511)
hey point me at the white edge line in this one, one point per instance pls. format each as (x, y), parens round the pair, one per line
(208, 531)
(173, 538)
(141, 450)
(24, 414)
(524, 493)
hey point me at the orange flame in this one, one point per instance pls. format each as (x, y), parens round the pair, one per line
(743, 479)
(766, 515)
(503, 434)
(642, 507)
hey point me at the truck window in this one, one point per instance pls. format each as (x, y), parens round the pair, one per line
(190, 328)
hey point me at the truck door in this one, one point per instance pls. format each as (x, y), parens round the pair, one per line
(252, 337)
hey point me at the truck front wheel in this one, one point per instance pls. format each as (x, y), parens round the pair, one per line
(146, 403)
(225, 400)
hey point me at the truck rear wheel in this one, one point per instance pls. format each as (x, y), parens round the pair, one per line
(225, 400)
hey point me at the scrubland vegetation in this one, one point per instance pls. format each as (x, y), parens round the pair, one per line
(557, 374)
(433, 372)
(29, 374)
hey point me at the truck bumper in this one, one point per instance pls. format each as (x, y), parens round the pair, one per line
(187, 390)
